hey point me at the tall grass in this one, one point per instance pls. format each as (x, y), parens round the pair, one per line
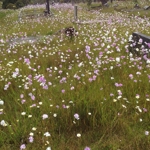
(88, 93)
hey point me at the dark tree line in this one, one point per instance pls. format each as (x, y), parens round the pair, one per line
(12, 4)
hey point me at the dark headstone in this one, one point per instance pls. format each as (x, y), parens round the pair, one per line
(141, 42)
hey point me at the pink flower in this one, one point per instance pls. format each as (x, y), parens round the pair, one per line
(23, 146)
(31, 139)
(33, 97)
(21, 96)
(148, 44)
(63, 91)
(140, 40)
(76, 116)
(87, 148)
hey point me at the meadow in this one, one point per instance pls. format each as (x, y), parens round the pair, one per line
(88, 93)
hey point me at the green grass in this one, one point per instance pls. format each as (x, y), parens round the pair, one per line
(60, 77)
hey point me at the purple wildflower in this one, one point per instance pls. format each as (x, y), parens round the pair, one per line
(87, 148)
(23, 146)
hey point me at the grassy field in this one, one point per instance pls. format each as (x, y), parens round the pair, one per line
(88, 93)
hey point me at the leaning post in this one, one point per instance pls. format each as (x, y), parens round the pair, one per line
(75, 13)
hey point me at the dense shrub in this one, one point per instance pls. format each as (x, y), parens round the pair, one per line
(11, 6)
(19, 4)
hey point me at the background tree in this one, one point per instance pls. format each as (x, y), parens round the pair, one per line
(17, 3)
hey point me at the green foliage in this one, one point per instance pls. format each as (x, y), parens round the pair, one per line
(89, 2)
(10, 6)
(19, 4)
(105, 122)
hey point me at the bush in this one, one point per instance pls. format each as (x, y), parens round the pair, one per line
(11, 6)
(19, 4)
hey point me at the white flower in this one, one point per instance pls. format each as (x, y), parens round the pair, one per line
(48, 148)
(31, 134)
(40, 103)
(118, 59)
(124, 106)
(146, 132)
(78, 135)
(1, 102)
(33, 128)
(47, 134)
(55, 115)
(23, 113)
(114, 100)
(3, 123)
(112, 78)
(111, 67)
(148, 61)
(89, 113)
(45, 116)
(137, 96)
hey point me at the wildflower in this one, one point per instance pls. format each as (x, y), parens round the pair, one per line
(146, 132)
(140, 41)
(31, 134)
(1, 102)
(76, 116)
(23, 146)
(78, 135)
(144, 109)
(137, 96)
(47, 134)
(23, 101)
(23, 113)
(87, 148)
(33, 128)
(40, 103)
(148, 61)
(148, 44)
(31, 139)
(72, 88)
(89, 113)
(118, 84)
(117, 59)
(21, 96)
(114, 100)
(63, 91)
(3, 123)
(45, 116)
(130, 76)
(33, 97)
(55, 115)
(48, 148)
(111, 94)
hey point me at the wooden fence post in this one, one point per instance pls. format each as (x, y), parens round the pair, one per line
(75, 13)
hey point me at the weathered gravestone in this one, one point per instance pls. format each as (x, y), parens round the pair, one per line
(146, 7)
(139, 45)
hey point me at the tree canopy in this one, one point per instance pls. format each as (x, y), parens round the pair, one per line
(14, 3)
